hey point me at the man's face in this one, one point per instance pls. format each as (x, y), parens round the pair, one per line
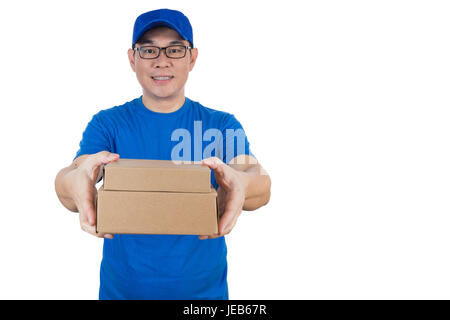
(177, 69)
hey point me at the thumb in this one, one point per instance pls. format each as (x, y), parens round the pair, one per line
(85, 201)
(88, 211)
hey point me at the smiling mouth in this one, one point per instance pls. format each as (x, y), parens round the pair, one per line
(162, 78)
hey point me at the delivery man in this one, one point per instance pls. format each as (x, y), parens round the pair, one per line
(164, 266)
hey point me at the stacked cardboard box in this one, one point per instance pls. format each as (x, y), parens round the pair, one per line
(156, 197)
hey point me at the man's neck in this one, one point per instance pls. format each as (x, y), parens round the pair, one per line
(163, 105)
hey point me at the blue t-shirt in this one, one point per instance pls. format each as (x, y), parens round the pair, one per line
(164, 266)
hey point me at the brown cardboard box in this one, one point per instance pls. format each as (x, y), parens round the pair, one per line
(156, 175)
(156, 197)
(141, 212)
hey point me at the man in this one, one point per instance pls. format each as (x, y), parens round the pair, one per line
(164, 266)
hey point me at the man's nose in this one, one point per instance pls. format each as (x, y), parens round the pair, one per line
(163, 60)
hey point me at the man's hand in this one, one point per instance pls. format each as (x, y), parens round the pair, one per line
(84, 191)
(230, 195)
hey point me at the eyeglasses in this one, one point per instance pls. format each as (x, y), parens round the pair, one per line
(151, 52)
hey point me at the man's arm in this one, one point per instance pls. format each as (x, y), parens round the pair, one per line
(255, 179)
(75, 187)
(65, 180)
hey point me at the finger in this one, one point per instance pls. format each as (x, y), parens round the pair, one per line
(212, 162)
(93, 231)
(88, 228)
(203, 237)
(103, 157)
(106, 235)
(106, 157)
(220, 170)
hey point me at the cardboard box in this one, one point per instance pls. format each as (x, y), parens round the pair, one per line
(156, 197)
(141, 212)
(156, 175)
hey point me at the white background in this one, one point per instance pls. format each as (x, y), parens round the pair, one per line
(345, 103)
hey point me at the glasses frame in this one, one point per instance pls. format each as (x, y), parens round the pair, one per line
(161, 49)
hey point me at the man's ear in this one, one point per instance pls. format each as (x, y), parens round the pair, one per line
(131, 59)
(193, 58)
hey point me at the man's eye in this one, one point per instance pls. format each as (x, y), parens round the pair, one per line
(149, 51)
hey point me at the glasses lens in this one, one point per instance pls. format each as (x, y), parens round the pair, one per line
(176, 51)
(149, 52)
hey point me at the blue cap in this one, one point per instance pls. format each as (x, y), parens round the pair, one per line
(163, 17)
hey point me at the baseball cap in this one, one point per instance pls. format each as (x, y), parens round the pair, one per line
(163, 17)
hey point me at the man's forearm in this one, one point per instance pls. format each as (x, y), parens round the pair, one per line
(62, 188)
(257, 187)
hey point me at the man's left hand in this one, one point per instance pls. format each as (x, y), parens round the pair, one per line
(230, 195)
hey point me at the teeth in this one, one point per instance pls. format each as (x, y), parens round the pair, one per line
(161, 78)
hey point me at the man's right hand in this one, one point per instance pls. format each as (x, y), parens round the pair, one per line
(79, 185)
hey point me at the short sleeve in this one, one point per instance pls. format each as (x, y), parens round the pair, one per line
(235, 140)
(95, 138)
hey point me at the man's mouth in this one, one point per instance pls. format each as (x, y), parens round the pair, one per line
(162, 78)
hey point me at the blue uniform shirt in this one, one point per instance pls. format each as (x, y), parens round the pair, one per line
(164, 266)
